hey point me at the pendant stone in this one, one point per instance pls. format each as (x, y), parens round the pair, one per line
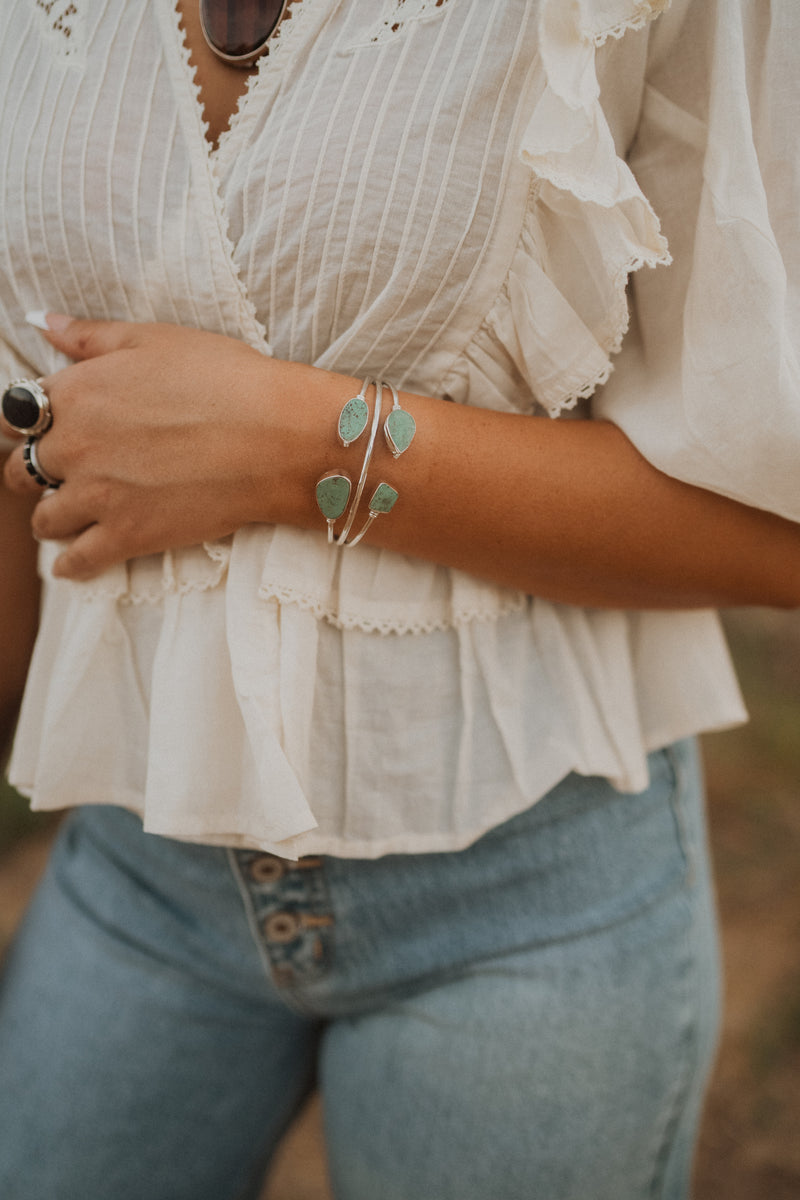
(353, 419)
(383, 499)
(333, 493)
(19, 407)
(399, 429)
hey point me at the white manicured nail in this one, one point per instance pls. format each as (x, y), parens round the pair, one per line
(38, 318)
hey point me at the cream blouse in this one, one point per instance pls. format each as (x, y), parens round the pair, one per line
(441, 193)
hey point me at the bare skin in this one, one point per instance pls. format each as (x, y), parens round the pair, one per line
(19, 604)
(538, 505)
(220, 85)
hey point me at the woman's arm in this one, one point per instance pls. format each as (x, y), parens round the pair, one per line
(19, 604)
(168, 436)
(571, 511)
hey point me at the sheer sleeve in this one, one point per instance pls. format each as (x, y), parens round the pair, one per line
(707, 385)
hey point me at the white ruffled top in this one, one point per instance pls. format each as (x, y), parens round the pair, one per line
(436, 193)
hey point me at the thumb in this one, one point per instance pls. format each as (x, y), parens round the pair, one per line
(78, 338)
(87, 555)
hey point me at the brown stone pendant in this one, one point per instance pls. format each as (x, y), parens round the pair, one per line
(238, 30)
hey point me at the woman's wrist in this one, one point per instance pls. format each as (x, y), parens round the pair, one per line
(294, 439)
(291, 440)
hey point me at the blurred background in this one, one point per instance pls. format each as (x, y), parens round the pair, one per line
(750, 1145)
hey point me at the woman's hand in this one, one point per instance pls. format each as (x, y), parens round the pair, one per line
(164, 436)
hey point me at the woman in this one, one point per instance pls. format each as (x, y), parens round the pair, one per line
(450, 857)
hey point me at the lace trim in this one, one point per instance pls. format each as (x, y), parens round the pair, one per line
(578, 396)
(508, 603)
(116, 584)
(281, 32)
(644, 11)
(617, 324)
(139, 599)
(619, 315)
(120, 586)
(609, 337)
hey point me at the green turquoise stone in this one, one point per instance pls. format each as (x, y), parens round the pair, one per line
(383, 498)
(333, 493)
(399, 428)
(353, 419)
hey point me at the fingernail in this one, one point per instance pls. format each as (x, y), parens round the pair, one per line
(48, 321)
(37, 318)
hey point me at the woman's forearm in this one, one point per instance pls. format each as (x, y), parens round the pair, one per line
(572, 512)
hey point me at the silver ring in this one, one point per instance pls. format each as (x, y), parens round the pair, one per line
(34, 468)
(26, 407)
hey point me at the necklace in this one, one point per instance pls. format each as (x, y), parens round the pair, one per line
(238, 30)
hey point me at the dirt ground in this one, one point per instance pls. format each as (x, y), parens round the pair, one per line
(750, 1144)
(750, 1148)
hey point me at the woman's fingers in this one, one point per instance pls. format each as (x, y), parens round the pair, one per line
(80, 339)
(17, 476)
(61, 515)
(162, 436)
(88, 555)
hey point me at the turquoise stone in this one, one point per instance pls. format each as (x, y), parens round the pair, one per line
(353, 419)
(333, 493)
(399, 428)
(383, 498)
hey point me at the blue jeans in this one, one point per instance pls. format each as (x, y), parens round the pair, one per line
(532, 1017)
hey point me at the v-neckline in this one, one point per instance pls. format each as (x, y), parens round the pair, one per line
(220, 89)
(266, 65)
(211, 209)
(209, 162)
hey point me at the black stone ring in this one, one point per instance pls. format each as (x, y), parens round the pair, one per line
(33, 467)
(26, 407)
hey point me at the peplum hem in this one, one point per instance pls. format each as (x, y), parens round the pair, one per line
(274, 738)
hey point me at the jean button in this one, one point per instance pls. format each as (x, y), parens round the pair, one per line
(267, 869)
(282, 927)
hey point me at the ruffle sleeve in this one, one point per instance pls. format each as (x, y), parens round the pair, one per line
(709, 387)
(562, 312)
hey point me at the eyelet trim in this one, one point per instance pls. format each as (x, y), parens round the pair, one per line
(61, 24)
(395, 17)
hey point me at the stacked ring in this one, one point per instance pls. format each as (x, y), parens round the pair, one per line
(34, 468)
(26, 407)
